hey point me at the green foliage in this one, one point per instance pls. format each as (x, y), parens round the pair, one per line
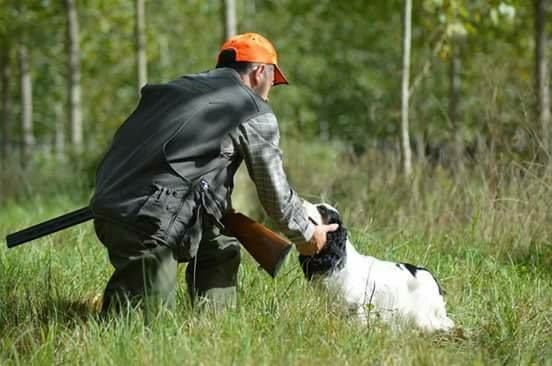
(342, 58)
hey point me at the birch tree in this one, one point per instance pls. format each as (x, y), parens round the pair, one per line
(74, 76)
(405, 135)
(26, 93)
(59, 135)
(456, 34)
(230, 19)
(542, 79)
(139, 32)
(6, 104)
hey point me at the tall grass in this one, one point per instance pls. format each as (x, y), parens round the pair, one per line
(483, 229)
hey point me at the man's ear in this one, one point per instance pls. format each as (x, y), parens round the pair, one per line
(257, 74)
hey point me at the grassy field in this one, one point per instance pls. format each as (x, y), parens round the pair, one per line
(484, 230)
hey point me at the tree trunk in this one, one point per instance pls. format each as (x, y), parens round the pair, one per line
(164, 55)
(6, 115)
(230, 20)
(26, 105)
(542, 80)
(74, 76)
(420, 147)
(139, 32)
(454, 86)
(406, 149)
(455, 67)
(59, 138)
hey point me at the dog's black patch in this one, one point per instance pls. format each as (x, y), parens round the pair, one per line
(413, 269)
(333, 256)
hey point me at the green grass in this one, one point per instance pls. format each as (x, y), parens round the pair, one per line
(486, 237)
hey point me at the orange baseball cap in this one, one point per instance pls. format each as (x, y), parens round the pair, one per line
(252, 47)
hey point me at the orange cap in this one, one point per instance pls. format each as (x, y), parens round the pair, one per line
(252, 47)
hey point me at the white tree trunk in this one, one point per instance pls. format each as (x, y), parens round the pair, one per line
(6, 116)
(455, 80)
(230, 19)
(405, 95)
(542, 78)
(164, 55)
(26, 105)
(59, 138)
(74, 76)
(140, 34)
(454, 86)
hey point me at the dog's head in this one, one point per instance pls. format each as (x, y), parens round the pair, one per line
(333, 256)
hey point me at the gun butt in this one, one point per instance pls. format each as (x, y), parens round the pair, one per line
(268, 248)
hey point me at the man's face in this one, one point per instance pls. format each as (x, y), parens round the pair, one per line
(262, 80)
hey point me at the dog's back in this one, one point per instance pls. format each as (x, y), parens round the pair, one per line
(393, 291)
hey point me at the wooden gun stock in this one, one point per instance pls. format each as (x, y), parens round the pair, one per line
(268, 248)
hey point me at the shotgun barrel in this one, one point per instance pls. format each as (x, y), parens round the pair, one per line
(48, 227)
(265, 246)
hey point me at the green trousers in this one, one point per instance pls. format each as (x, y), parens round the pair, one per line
(145, 271)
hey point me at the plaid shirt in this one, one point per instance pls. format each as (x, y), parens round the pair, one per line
(257, 141)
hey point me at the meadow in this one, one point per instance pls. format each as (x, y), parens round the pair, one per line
(484, 228)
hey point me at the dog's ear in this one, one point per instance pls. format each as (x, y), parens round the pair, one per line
(329, 214)
(334, 218)
(304, 261)
(331, 258)
(337, 239)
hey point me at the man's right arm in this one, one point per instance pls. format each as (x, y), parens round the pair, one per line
(258, 143)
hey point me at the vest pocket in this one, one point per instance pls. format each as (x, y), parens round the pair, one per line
(175, 217)
(185, 231)
(158, 210)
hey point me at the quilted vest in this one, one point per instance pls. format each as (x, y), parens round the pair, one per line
(164, 172)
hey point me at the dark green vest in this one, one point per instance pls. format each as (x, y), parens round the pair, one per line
(165, 172)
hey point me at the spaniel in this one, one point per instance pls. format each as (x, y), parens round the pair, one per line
(396, 293)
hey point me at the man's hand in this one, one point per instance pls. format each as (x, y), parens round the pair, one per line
(318, 240)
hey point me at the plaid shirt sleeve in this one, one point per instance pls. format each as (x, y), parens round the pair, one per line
(257, 141)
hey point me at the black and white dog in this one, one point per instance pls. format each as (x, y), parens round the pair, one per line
(397, 293)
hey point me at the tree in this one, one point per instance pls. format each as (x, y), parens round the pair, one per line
(476, 35)
(139, 31)
(74, 75)
(542, 80)
(229, 17)
(407, 39)
(6, 116)
(456, 34)
(455, 65)
(26, 104)
(59, 135)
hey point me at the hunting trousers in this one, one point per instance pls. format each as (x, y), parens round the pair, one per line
(146, 271)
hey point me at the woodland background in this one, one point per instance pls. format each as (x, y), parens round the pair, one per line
(478, 74)
(425, 122)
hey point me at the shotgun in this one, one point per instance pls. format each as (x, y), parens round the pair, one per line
(265, 246)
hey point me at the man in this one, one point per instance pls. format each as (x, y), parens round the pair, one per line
(167, 178)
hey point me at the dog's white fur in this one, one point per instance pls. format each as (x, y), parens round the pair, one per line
(386, 290)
